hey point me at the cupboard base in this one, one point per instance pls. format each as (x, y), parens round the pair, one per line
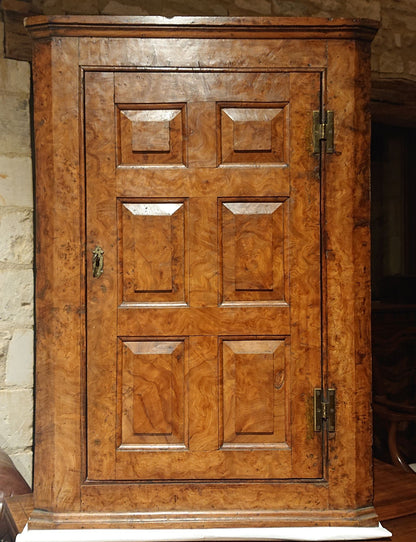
(363, 517)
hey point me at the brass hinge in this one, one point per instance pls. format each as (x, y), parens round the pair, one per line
(323, 130)
(324, 409)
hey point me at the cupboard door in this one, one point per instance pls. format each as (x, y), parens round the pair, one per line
(204, 330)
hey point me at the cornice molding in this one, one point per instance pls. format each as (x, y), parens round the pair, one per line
(203, 27)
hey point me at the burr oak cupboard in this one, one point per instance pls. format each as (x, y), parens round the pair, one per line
(202, 203)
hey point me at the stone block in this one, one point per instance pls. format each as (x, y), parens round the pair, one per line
(16, 181)
(5, 337)
(186, 7)
(47, 7)
(19, 365)
(409, 40)
(391, 62)
(16, 419)
(14, 125)
(262, 7)
(16, 295)
(368, 9)
(121, 8)
(80, 7)
(16, 236)
(291, 8)
(15, 76)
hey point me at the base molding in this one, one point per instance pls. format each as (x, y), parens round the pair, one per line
(214, 519)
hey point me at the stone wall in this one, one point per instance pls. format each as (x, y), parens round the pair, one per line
(393, 60)
(16, 264)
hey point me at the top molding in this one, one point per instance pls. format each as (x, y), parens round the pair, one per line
(201, 27)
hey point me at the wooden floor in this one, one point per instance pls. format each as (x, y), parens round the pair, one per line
(395, 502)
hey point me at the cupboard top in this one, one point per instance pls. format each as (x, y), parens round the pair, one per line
(204, 27)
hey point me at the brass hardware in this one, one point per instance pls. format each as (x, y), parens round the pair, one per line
(324, 409)
(323, 130)
(97, 262)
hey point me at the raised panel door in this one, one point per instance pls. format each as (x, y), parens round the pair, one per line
(204, 330)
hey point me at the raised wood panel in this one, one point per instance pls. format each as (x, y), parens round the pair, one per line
(253, 392)
(253, 134)
(152, 394)
(152, 252)
(254, 264)
(253, 251)
(150, 136)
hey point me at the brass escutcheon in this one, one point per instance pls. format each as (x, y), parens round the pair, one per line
(97, 262)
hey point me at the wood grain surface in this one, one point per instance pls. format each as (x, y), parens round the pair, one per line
(241, 255)
(176, 389)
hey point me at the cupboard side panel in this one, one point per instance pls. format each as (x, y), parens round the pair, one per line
(59, 277)
(348, 275)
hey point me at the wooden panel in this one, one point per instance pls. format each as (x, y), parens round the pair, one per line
(253, 396)
(202, 150)
(150, 130)
(253, 133)
(101, 293)
(248, 236)
(347, 194)
(217, 505)
(253, 251)
(202, 87)
(227, 182)
(203, 257)
(204, 320)
(149, 136)
(260, 220)
(60, 288)
(152, 394)
(254, 263)
(153, 52)
(152, 252)
(304, 258)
